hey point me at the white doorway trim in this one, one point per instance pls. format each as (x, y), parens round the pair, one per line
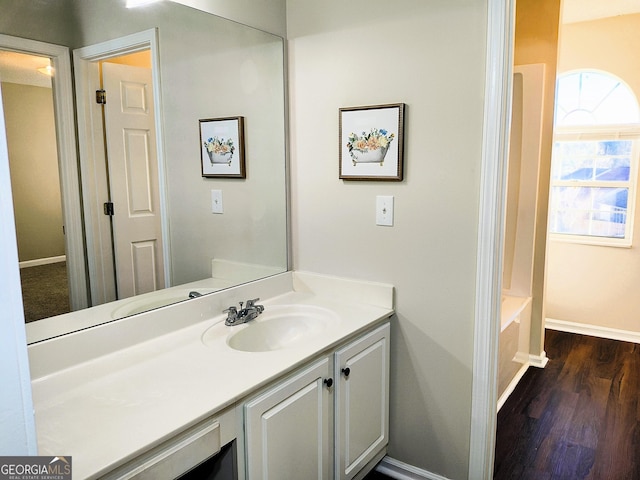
(16, 403)
(92, 157)
(491, 218)
(67, 159)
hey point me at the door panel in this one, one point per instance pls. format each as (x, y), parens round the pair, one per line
(365, 400)
(288, 429)
(133, 179)
(362, 399)
(139, 182)
(143, 256)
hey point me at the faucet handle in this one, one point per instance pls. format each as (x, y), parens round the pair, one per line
(251, 303)
(232, 315)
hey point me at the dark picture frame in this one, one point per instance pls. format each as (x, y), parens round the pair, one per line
(222, 147)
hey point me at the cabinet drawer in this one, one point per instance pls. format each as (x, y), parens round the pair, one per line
(176, 456)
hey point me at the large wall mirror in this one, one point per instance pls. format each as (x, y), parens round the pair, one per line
(203, 66)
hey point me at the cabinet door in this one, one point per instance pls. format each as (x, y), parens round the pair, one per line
(287, 429)
(362, 401)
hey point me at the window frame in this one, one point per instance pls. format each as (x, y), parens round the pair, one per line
(600, 133)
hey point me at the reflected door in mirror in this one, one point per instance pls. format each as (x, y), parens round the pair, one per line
(133, 179)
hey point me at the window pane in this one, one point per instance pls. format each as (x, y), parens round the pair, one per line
(605, 161)
(573, 160)
(594, 211)
(615, 147)
(613, 169)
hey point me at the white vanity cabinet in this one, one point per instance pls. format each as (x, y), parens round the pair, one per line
(328, 420)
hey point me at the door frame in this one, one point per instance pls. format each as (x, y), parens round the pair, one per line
(67, 159)
(16, 404)
(491, 230)
(93, 160)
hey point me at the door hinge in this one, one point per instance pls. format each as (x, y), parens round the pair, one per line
(101, 97)
(108, 208)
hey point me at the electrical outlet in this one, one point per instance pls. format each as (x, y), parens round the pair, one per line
(384, 210)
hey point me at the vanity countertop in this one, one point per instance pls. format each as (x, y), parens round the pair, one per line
(106, 408)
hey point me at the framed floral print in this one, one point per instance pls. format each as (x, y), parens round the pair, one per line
(371, 142)
(222, 147)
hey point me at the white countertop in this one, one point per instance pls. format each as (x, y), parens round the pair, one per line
(105, 409)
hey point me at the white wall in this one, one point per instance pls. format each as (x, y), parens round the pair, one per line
(52, 22)
(253, 227)
(267, 15)
(31, 138)
(590, 284)
(429, 55)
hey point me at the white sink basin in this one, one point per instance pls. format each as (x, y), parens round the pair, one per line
(280, 326)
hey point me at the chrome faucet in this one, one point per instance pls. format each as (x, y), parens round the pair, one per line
(238, 317)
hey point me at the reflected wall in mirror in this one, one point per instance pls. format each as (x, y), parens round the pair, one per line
(27, 98)
(209, 67)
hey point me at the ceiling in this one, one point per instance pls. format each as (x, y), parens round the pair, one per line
(22, 68)
(584, 10)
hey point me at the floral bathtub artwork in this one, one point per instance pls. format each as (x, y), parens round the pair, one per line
(219, 150)
(369, 147)
(371, 142)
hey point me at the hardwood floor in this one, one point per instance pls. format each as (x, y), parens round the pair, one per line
(578, 418)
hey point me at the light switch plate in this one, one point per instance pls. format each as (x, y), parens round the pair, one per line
(384, 210)
(216, 201)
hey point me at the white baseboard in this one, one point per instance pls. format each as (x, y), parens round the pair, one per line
(592, 330)
(512, 385)
(42, 261)
(403, 471)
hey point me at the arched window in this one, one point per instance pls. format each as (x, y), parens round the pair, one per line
(594, 98)
(593, 165)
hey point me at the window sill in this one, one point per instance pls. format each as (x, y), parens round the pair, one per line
(595, 241)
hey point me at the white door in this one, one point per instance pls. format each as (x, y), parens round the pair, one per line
(288, 428)
(133, 179)
(362, 402)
